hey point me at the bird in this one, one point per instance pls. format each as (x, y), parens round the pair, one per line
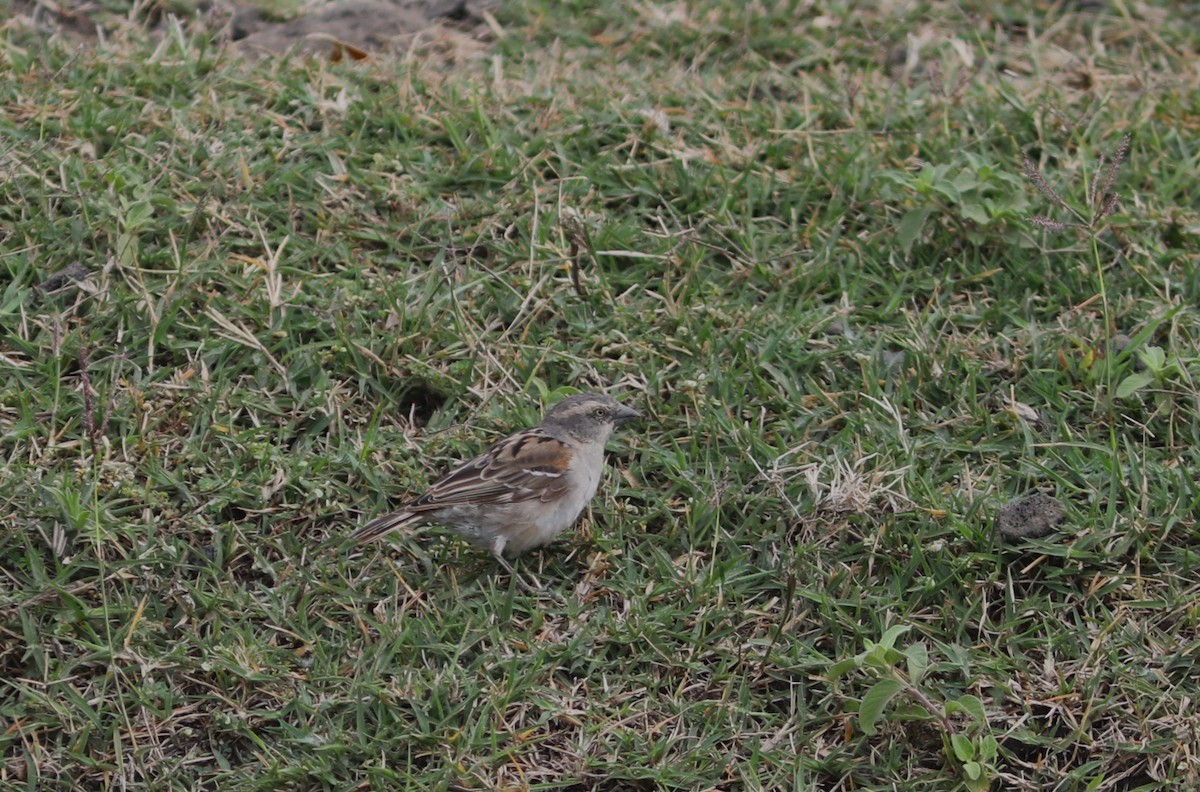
(526, 489)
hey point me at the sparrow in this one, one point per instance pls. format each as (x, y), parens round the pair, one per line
(524, 490)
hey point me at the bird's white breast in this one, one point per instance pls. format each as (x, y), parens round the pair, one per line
(546, 520)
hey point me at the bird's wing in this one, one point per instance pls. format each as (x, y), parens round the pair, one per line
(528, 465)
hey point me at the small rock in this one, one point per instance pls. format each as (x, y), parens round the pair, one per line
(69, 275)
(1032, 517)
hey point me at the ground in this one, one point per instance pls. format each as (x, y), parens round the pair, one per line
(872, 273)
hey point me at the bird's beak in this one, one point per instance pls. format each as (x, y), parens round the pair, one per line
(624, 415)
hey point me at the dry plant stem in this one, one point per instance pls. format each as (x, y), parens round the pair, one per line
(1104, 203)
(929, 704)
(1105, 309)
(1101, 202)
(89, 407)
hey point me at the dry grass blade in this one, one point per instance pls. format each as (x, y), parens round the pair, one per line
(89, 403)
(237, 333)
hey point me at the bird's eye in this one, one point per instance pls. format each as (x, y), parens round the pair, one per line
(600, 412)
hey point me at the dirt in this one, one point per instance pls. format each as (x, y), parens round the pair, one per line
(345, 28)
(352, 28)
(1032, 517)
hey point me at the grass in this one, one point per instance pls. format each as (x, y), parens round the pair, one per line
(797, 236)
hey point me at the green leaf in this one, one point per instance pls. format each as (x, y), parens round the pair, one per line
(965, 181)
(975, 213)
(947, 190)
(964, 749)
(927, 177)
(973, 770)
(879, 656)
(138, 215)
(971, 705)
(911, 712)
(898, 178)
(873, 703)
(842, 667)
(892, 633)
(1154, 358)
(917, 658)
(14, 296)
(988, 748)
(910, 227)
(1133, 383)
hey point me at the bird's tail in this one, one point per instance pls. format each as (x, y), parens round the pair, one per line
(381, 525)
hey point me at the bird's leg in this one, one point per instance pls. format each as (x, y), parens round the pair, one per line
(498, 551)
(504, 562)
